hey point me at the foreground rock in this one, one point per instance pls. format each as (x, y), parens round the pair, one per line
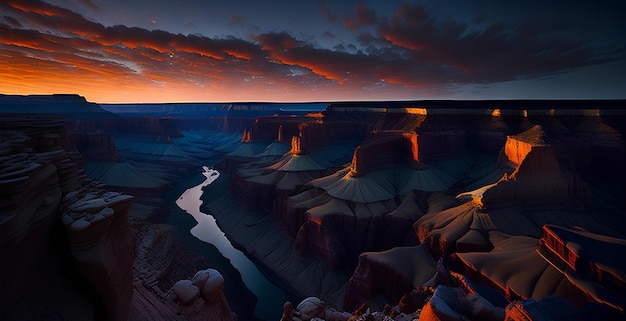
(171, 282)
(75, 234)
(202, 297)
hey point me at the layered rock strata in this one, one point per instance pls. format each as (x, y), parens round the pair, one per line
(89, 261)
(348, 214)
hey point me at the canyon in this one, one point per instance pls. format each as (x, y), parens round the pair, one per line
(431, 210)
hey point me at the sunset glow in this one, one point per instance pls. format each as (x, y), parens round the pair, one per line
(404, 52)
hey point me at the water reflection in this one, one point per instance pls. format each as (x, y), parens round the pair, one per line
(270, 298)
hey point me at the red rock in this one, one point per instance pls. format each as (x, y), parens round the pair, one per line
(549, 308)
(540, 174)
(385, 149)
(588, 255)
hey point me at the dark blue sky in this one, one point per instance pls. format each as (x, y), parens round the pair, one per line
(194, 50)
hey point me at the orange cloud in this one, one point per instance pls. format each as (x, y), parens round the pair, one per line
(50, 49)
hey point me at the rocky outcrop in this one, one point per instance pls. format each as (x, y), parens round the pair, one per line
(96, 222)
(385, 149)
(81, 270)
(399, 190)
(461, 302)
(348, 216)
(588, 255)
(389, 274)
(202, 297)
(312, 308)
(541, 175)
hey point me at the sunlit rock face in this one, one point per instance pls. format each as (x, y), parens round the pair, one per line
(82, 270)
(588, 255)
(543, 172)
(385, 149)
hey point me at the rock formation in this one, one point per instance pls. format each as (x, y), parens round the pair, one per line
(204, 293)
(312, 308)
(391, 273)
(82, 270)
(541, 172)
(581, 254)
(347, 216)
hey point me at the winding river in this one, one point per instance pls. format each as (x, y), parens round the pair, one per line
(270, 298)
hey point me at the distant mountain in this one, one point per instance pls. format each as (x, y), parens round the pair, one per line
(68, 105)
(211, 109)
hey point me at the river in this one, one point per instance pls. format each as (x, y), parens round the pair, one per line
(270, 298)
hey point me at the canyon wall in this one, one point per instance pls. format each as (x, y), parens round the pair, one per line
(65, 243)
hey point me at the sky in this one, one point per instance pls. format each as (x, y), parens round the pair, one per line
(141, 51)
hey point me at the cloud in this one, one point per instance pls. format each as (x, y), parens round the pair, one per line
(496, 53)
(364, 14)
(90, 5)
(237, 21)
(327, 13)
(406, 55)
(12, 21)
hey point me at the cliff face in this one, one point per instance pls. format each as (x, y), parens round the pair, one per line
(385, 149)
(81, 270)
(355, 207)
(541, 172)
(399, 191)
(97, 146)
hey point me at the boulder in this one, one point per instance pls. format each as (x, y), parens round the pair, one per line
(213, 286)
(186, 291)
